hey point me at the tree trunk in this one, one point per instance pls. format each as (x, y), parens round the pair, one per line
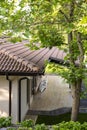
(76, 85)
(76, 89)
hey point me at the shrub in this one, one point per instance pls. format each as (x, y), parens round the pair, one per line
(5, 121)
(24, 128)
(11, 129)
(27, 123)
(40, 127)
(70, 125)
(84, 126)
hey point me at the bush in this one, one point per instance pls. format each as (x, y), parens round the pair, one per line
(71, 125)
(40, 127)
(29, 125)
(11, 129)
(67, 126)
(24, 128)
(5, 121)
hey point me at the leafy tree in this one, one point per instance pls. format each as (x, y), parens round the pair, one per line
(46, 22)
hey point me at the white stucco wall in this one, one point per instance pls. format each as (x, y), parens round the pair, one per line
(24, 104)
(56, 95)
(4, 96)
(15, 99)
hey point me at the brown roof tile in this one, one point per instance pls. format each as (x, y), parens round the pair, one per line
(19, 58)
(11, 64)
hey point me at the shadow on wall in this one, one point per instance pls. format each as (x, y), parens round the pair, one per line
(4, 102)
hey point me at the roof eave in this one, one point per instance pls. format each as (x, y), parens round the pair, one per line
(22, 73)
(61, 62)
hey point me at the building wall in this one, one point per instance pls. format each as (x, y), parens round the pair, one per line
(56, 95)
(38, 81)
(14, 99)
(4, 96)
(31, 95)
(24, 103)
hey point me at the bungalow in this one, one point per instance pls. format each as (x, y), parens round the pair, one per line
(21, 70)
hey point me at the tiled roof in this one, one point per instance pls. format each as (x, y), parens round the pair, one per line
(17, 58)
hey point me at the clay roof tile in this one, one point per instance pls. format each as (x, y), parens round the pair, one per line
(19, 58)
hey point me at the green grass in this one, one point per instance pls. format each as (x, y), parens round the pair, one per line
(50, 120)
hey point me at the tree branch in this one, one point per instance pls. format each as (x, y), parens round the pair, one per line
(66, 17)
(72, 7)
(80, 46)
(43, 23)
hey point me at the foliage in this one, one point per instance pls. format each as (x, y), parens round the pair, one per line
(84, 88)
(44, 23)
(5, 121)
(24, 128)
(65, 72)
(40, 127)
(50, 37)
(68, 126)
(82, 25)
(64, 125)
(61, 126)
(27, 123)
(11, 128)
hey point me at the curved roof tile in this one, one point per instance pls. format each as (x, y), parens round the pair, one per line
(20, 59)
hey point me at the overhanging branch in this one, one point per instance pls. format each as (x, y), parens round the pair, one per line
(66, 17)
(80, 46)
